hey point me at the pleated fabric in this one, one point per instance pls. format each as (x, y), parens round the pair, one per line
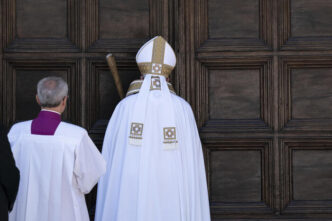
(149, 182)
(56, 171)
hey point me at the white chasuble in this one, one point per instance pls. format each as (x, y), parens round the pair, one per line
(155, 166)
(56, 171)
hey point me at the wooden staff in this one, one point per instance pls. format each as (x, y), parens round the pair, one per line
(112, 65)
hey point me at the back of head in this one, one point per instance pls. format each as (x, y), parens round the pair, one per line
(51, 91)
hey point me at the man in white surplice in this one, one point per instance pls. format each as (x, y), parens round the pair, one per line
(58, 161)
(155, 166)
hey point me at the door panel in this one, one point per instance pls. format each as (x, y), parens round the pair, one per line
(262, 72)
(41, 26)
(257, 74)
(306, 174)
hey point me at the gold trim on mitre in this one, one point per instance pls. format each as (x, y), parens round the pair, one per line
(156, 66)
(158, 51)
(151, 68)
(136, 85)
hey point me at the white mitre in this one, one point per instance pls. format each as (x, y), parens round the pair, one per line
(156, 57)
(156, 60)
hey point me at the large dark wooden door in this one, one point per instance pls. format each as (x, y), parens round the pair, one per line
(257, 73)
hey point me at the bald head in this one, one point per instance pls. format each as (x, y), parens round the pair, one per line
(51, 91)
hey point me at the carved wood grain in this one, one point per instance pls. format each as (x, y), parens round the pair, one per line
(249, 209)
(288, 42)
(286, 121)
(158, 25)
(275, 52)
(288, 204)
(205, 44)
(264, 65)
(13, 43)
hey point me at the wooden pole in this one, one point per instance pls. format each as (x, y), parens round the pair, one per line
(112, 65)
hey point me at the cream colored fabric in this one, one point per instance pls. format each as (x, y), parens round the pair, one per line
(56, 171)
(158, 52)
(159, 176)
(145, 53)
(156, 57)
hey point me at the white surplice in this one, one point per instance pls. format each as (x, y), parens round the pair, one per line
(56, 171)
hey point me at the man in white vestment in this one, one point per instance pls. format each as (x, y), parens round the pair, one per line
(155, 165)
(58, 161)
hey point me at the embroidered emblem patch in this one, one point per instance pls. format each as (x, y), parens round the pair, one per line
(169, 133)
(155, 83)
(136, 134)
(170, 142)
(136, 130)
(156, 68)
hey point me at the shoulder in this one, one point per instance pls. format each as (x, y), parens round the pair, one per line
(125, 103)
(127, 100)
(181, 101)
(21, 127)
(68, 129)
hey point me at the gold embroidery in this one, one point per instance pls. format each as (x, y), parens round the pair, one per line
(156, 66)
(155, 83)
(136, 130)
(153, 68)
(137, 84)
(169, 133)
(170, 142)
(158, 51)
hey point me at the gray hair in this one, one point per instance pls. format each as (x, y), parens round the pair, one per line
(51, 91)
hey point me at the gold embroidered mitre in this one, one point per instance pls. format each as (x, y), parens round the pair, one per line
(156, 57)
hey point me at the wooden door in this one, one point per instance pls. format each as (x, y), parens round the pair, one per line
(260, 74)
(257, 73)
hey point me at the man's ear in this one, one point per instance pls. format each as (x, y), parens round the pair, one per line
(64, 100)
(37, 99)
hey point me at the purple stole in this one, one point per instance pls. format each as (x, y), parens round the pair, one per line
(46, 123)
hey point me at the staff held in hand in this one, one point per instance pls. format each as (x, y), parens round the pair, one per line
(112, 65)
